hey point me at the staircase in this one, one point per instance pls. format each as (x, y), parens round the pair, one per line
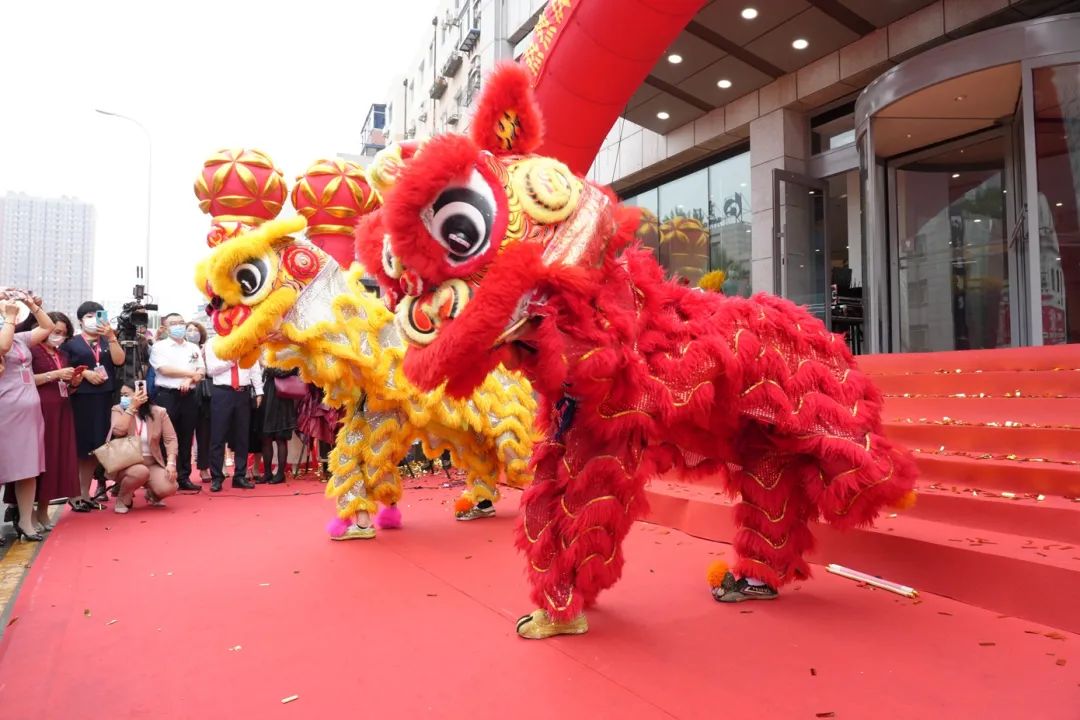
(996, 435)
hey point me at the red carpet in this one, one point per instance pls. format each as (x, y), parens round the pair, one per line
(225, 605)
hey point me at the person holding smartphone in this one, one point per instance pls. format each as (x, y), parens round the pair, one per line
(96, 348)
(23, 456)
(134, 415)
(55, 379)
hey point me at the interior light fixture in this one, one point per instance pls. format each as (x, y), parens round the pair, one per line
(800, 44)
(1058, 204)
(663, 115)
(723, 84)
(978, 220)
(960, 98)
(909, 136)
(674, 58)
(955, 175)
(749, 13)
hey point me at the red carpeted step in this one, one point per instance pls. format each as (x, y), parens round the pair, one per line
(1024, 442)
(1048, 357)
(1052, 517)
(1009, 475)
(1034, 382)
(1028, 577)
(1044, 411)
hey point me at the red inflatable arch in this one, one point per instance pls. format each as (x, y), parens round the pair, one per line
(588, 58)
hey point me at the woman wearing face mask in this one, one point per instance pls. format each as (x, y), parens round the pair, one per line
(55, 379)
(196, 333)
(23, 455)
(97, 348)
(134, 415)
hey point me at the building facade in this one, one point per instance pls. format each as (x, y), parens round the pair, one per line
(47, 245)
(909, 171)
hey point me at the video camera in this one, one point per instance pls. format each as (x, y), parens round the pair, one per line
(135, 314)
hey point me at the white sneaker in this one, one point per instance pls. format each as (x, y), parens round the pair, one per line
(120, 508)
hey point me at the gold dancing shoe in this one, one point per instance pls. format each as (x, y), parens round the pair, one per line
(539, 626)
(355, 532)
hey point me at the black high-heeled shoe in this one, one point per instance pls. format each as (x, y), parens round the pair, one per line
(28, 537)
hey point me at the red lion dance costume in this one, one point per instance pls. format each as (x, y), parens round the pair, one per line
(501, 255)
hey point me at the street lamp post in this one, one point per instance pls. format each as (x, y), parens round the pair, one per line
(149, 176)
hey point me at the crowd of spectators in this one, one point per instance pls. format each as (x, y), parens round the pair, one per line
(64, 396)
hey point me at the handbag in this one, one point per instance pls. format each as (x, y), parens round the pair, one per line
(119, 454)
(204, 390)
(290, 388)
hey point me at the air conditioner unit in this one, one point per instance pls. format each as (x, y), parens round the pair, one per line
(438, 87)
(452, 65)
(452, 119)
(422, 117)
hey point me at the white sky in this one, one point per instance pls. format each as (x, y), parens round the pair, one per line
(292, 79)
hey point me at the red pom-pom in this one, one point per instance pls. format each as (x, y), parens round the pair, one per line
(463, 505)
(715, 575)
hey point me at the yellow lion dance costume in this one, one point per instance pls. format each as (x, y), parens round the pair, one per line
(289, 302)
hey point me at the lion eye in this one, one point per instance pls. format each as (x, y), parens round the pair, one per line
(461, 219)
(254, 276)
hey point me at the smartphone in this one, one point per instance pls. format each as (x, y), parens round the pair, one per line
(102, 317)
(140, 386)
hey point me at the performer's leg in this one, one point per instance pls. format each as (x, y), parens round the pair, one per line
(571, 531)
(773, 518)
(510, 450)
(348, 484)
(477, 456)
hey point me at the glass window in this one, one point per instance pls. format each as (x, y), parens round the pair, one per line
(684, 225)
(833, 129)
(953, 257)
(1057, 151)
(649, 232)
(701, 222)
(729, 222)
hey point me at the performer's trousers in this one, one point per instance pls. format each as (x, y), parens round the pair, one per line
(577, 513)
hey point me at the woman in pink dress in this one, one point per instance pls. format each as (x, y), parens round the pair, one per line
(20, 408)
(55, 378)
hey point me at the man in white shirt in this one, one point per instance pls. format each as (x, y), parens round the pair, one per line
(230, 416)
(178, 369)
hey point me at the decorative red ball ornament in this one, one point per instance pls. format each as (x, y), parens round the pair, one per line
(239, 189)
(333, 195)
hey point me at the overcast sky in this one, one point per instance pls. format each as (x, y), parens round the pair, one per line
(292, 79)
